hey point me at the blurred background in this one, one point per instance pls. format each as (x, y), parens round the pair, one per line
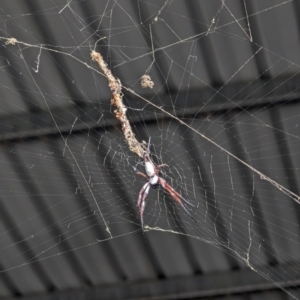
(223, 114)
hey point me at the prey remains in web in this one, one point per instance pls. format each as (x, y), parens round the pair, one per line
(117, 101)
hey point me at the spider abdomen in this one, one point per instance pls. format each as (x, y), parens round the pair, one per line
(149, 168)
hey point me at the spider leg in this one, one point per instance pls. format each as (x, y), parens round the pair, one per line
(142, 174)
(148, 147)
(147, 155)
(188, 202)
(175, 196)
(160, 166)
(141, 200)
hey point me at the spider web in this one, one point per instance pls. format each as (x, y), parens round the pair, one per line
(222, 115)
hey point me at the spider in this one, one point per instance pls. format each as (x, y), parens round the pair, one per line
(155, 180)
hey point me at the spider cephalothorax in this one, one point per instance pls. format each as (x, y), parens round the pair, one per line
(154, 180)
